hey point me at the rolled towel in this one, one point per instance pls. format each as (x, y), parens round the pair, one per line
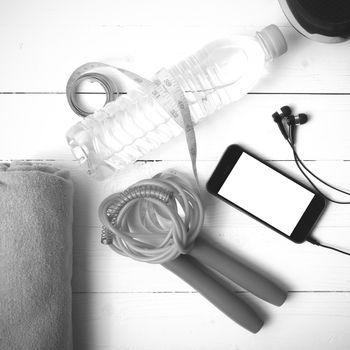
(36, 214)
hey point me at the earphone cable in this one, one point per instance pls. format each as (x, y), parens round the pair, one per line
(301, 164)
(315, 176)
(314, 241)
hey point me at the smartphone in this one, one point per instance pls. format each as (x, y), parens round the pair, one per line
(266, 194)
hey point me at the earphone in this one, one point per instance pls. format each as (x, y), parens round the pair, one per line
(287, 123)
(278, 118)
(291, 121)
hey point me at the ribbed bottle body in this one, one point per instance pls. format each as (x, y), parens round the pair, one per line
(120, 133)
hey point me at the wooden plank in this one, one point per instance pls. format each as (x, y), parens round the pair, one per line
(123, 32)
(43, 60)
(90, 193)
(147, 37)
(297, 267)
(34, 127)
(137, 12)
(305, 267)
(187, 321)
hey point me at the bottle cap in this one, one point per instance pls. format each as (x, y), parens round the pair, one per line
(273, 40)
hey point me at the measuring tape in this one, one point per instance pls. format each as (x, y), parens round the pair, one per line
(164, 89)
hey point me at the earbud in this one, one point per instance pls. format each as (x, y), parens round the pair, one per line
(286, 111)
(298, 119)
(278, 117)
(291, 120)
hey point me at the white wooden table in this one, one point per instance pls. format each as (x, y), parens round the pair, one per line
(122, 304)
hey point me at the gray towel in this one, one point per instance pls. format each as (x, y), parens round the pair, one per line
(35, 257)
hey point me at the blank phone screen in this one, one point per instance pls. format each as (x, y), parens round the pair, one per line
(265, 193)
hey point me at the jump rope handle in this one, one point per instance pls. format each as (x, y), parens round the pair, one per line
(196, 276)
(238, 273)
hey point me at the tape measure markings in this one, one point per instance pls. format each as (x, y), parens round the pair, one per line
(164, 89)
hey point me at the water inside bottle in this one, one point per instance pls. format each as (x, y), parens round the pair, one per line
(220, 73)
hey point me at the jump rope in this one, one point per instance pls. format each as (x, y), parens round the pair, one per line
(158, 221)
(286, 121)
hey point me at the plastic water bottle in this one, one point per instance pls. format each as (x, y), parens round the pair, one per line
(135, 123)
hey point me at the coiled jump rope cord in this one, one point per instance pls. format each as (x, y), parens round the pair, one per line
(152, 221)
